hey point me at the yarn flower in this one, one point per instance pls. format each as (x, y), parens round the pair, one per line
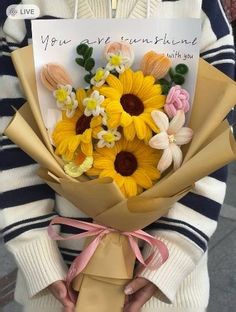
(93, 104)
(132, 165)
(120, 56)
(108, 138)
(155, 64)
(177, 99)
(79, 165)
(130, 99)
(172, 135)
(100, 77)
(72, 133)
(66, 99)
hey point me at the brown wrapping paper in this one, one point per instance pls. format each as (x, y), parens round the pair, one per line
(102, 200)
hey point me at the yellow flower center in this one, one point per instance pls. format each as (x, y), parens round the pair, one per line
(109, 137)
(172, 138)
(61, 95)
(116, 60)
(99, 75)
(91, 104)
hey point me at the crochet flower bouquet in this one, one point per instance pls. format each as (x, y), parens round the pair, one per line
(116, 153)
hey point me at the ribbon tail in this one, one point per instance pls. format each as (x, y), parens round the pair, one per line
(79, 264)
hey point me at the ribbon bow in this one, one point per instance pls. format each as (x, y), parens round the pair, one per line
(99, 231)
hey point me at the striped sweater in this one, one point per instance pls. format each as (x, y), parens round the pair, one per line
(27, 205)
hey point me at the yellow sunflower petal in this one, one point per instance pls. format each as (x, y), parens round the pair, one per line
(103, 163)
(129, 132)
(96, 130)
(113, 120)
(149, 121)
(80, 96)
(114, 107)
(122, 188)
(149, 135)
(140, 128)
(87, 149)
(141, 177)
(144, 92)
(110, 93)
(86, 137)
(96, 121)
(105, 152)
(130, 186)
(153, 173)
(93, 172)
(137, 82)
(125, 119)
(126, 78)
(154, 102)
(74, 143)
(119, 179)
(69, 155)
(107, 173)
(114, 83)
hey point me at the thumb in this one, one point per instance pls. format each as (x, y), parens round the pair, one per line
(59, 290)
(135, 285)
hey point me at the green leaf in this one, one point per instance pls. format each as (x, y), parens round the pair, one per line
(82, 49)
(178, 79)
(165, 88)
(89, 64)
(171, 73)
(163, 81)
(88, 53)
(80, 61)
(181, 69)
(88, 78)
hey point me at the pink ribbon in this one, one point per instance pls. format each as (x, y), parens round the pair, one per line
(99, 231)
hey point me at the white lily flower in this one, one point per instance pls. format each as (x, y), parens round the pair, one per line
(172, 135)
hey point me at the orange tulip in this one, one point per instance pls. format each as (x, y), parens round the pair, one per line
(155, 64)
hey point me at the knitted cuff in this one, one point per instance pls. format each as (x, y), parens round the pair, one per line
(41, 263)
(171, 274)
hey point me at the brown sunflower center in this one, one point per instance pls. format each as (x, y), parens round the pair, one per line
(132, 104)
(82, 124)
(126, 163)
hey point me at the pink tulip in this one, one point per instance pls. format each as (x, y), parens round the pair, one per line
(172, 135)
(177, 99)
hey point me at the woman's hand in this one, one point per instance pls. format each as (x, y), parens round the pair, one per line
(59, 291)
(138, 292)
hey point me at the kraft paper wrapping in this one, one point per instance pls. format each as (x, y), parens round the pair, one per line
(102, 200)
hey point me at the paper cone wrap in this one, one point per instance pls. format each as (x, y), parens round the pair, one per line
(102, 200)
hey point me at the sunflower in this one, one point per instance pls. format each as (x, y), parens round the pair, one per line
(132, 165)
(78, 131)
(130, 99)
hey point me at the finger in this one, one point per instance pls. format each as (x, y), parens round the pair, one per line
(59, 290)
(135, 285)
(141, 297)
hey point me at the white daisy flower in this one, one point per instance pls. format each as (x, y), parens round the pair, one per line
(100, 77)
(108, 138)
(66, 99)
(93, 104)
(117, 62)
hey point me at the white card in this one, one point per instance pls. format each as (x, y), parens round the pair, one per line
(56, 41)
